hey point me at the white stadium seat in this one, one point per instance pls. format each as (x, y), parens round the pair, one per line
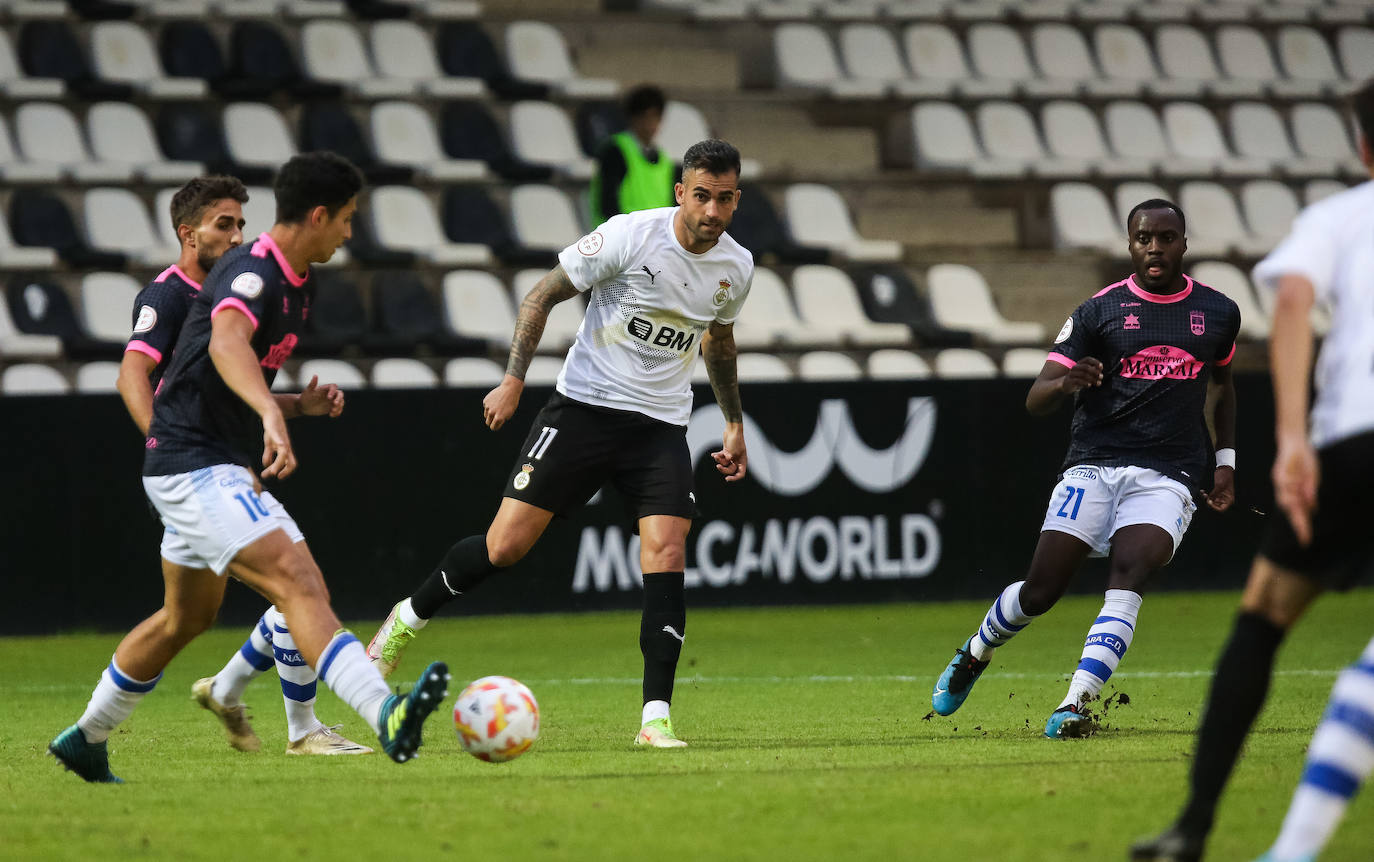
(1127, 195)
(259, 214)
(762, 368)
(543, 370)
(565, 319)
(1194, 135)
(1319, 131)
(936, 59)
(333, 51)
(1245, 56)
(893, 364)
(403, 218)
(402, 51)
(821, 365)
(963, 363)
(1306, 56)
(16, 170)
(942, 139)
(116, 220)
(123, 52)
(1356, 48)
(1008, 134)
(340, 372)
(961, 299)
(683, 125)
(1187, 55)
(1316, 190)
(872, 56)
(256, 134)
(1257, 131)
(1073, 134)
(998, 54)
(818, 217)
(97, 377)
(473, 371)
(403, 373)
(1082, 218)
(1135, 132)
(769, 319)
(121, 134)
(537, 52)
(1269, 208)
(1225, 278)
(30, 378)
(1123, 54)
(543, 217)
(48, 134)
(403, 133)
(827, 299)
(1214, 223)
(542, 134)
(804, 58)
(1062, 53)
(106, 300)
(478, 305)
(14, 84)
(1023, 362)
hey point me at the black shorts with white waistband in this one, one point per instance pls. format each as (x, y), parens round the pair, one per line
(574, 448)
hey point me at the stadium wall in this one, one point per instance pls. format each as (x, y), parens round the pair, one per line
(870, 491)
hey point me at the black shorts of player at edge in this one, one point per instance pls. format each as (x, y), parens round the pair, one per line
(574, 448)
(1342, 550)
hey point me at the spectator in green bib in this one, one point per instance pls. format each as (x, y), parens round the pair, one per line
(632, 172)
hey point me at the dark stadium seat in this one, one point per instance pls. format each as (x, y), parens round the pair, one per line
(365, 249)
(259, 54)
(103, 10)
(470, 215)
(888, 295)
(189, 50)
(193, 132)
(756, 226)
(337, 316)
(596, 121)
(329, 126)
(467, 130)
(39, 218)
(465, 51)
(48, 49)
(377, 10)
(406, 315)
(39, 306)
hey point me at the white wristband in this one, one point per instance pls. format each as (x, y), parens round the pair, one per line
(1226, 458)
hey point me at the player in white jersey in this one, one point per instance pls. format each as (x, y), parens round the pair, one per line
(663, 283)
(1322, 538)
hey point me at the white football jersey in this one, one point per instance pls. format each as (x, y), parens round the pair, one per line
(650, 302)
(1332, 245)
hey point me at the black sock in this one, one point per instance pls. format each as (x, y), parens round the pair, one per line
(464, 566)
(661, 630)
(1238, 692)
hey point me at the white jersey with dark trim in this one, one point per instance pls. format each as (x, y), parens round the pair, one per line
(1332, 245)
(650, 302)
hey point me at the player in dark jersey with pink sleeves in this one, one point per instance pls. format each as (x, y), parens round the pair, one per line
(1138, 359)
(214, 414)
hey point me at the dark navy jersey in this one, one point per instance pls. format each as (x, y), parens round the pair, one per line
(1157, 351)
(198, 421)
(159, 311)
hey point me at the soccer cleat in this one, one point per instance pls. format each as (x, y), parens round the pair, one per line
(389, 642)
(234, 718)
(659, 734)
(1171, 845)
(957, 680)
(1069, 722)
(324, 740)
(403, 716)
(90, 760)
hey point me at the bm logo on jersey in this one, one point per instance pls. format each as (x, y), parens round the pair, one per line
(666, 337)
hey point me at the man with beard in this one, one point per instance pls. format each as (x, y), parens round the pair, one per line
(1137, 359)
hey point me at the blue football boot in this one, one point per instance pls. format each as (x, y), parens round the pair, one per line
(957, 680)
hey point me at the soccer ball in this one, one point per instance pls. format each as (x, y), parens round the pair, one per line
(497, 719)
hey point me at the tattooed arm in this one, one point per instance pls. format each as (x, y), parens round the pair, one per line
(719, 352)
(552, 289)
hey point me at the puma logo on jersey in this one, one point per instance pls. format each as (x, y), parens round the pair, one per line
(651, 274)
(672, 631)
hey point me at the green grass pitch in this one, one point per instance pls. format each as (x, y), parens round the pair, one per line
(809, 740)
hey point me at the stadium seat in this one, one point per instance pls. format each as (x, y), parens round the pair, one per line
(477, 305)
(1306, 56)
(1135, 132)
(14, 256)
(403, 373)
(1316, 190)
(1245, 56)
(469, 215)
(116, 220)
(473, 371)
(337, 318)
(827, 365)
(596, 120)
(564, 319)
(1008, 135)
(466, 51)
(762, 368)
(872, 58)
(998, 54)
(889, 295)
(106, 298)
(193, 132)
(542, 134)
(15, 343)
(330, 126)
(469, 131)
(264, 63)
(404, 52)
(189, 50)
(48, 134)
(1226, 278)
(121, 134)
(122, 51)
(403, 218)
(1062, 54)
(341, 373)
(756, 226)
(543, 370)
(1072, 134)
(1082, 218)
(1269, 208)
(14, 84)
(1195, 136)
(1124, 55)
(893, 364)
(826, 300)
(818, 217)
(40, 219)
(537, 53)
(42, 308)
(936, 60)
(259, 213)
(31, 378)
(804, 58)
(284, 382)
(1023, 362)
(769, 319)
(14, 170)
(1215, 227)
(96, 378)
(543, 217)
(1319, 131)
(256, 135)
(962, 300)
(404, 134)
(942, 140)
(332, 51)
(1356, 48)
(964, 363)
(1257, 131)
(48, 49)
(1186, 53)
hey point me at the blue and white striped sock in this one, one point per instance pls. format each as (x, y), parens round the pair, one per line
(1004, 619)
(346, 669)
(244, 666)
(1339, 759)
(113, 700)
(1106, 643)
(297, 681)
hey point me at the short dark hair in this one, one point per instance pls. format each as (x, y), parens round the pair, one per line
(712, 156)
(1362, 106)
(645, 97)
(315, 179)
(193, 199)
(1156, 204)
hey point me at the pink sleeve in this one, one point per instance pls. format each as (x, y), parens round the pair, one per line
(144, 347)
(237, 304)
(1061, 359)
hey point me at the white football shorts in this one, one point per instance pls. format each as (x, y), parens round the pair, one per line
(1093, 502)
(212, 513)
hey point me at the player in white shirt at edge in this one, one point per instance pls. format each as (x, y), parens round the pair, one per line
(1321, 539)
(663, 283)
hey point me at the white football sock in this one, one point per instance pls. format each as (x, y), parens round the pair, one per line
(1004, 619)
(297, 685)
(407, 615)
(346, 669)
(113, 700)
(655, 709)
(1106, 643)
(252, 659)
